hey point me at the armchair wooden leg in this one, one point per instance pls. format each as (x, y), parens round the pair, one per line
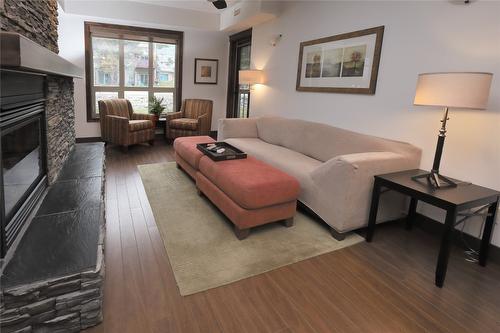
(152, 142)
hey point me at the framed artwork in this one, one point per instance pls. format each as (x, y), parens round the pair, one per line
(346, 63)
(206, 71)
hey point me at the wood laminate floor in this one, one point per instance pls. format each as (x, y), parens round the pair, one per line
(385, 286)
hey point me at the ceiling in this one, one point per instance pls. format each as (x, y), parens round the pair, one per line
(198, 5)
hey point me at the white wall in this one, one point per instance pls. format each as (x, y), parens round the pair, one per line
(419, 37)
(197, 44)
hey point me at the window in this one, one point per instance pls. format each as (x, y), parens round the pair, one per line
(132, 63)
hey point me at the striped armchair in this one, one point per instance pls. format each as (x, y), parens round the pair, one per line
(120, 125)
(194, 118)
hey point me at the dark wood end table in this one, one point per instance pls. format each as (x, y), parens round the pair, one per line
(451, 199)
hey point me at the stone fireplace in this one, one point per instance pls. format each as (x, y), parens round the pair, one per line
(51, 189)
(27, 81)
(37, 21)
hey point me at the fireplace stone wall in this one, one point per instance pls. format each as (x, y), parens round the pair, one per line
(60, 114)
(37, 20)
(34, 19)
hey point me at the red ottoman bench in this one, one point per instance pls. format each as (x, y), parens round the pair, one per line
(187, 156)
(249, 192)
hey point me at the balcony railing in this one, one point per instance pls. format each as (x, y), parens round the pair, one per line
(243, 103)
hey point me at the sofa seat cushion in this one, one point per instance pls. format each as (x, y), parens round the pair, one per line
(251, 183)
(184, 124)
(139, 125)
(185, 147)
(295, 164)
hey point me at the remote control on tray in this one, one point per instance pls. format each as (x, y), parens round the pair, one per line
(221, 151)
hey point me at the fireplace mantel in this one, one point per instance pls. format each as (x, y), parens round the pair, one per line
(19, 52)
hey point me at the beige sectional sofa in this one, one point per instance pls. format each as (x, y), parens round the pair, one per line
(335, 167)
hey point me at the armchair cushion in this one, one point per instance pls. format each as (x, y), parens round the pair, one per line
(184, 124)
(143, 116)
(139, 125)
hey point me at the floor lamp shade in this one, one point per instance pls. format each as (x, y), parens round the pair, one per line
(454, 89)
(251, 76)
(450, 90)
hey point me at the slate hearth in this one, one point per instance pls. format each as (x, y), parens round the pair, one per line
(53, 283)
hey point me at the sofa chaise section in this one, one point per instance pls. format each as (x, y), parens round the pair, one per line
(335, 167)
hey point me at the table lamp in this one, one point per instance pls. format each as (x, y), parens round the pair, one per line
(465, 90)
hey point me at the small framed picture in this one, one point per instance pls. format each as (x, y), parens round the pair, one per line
(206, 71)
(346, 63)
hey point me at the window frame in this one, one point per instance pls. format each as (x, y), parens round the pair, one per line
(149, 35)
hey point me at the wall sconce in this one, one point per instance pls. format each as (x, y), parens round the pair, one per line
(275, 40)
(251, 76)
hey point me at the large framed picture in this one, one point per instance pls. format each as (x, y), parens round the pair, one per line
(206, 71)
(346, 63)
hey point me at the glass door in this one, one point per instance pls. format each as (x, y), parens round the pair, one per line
(239, 59)
(22, 162)
(243, 94)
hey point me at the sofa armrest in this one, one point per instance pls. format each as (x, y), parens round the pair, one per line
(347, 181)
(120, 121)
(143, 116)
(204, 124)
(116, 129)
(169, 116)
(237, 128)
(173, 115)
(350, 167)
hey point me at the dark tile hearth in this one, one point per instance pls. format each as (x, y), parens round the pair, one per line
(55, 245)
(59, 260)
(70, 195)
(84, 162)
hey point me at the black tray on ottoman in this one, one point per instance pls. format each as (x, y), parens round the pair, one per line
(231, 153)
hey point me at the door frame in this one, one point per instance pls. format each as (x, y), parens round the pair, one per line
(235, 41)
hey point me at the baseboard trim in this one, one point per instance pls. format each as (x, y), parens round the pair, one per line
(89, 139)
(435, 227)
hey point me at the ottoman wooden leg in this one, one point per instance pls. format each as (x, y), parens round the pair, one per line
(288, 222)
(200, 193)
(178, 166)
(241, 233)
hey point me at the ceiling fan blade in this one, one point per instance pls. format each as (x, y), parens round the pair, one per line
(220, 4)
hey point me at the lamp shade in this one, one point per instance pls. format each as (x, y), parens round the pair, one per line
(251, 76)
(454, 89)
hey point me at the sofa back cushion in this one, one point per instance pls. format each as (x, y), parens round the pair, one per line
(324, 142)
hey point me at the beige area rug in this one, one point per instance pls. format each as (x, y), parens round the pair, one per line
(200, 243)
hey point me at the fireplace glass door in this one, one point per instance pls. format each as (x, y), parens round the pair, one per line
(22, 162)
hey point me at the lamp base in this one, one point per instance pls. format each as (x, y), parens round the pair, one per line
(435, 180)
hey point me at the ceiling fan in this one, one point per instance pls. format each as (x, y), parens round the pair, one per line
(219, 4)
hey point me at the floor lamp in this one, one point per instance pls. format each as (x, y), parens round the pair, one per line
(465, 90)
